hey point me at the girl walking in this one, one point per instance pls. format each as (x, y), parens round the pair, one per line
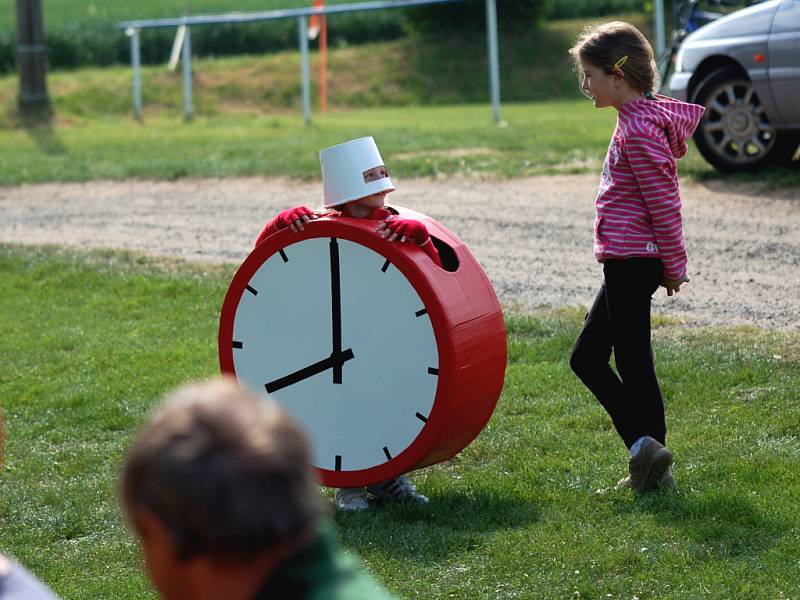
(638, 237)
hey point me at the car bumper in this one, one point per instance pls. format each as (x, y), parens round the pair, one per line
(679, 85)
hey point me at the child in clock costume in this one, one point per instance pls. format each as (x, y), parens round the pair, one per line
(356, 183)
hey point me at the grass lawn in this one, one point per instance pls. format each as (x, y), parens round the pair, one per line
(414, 141)
(545, 137)
(234, 135)
(568, 136)
(91, 341)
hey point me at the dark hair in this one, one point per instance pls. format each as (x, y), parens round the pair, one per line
(225, 472)
(604, 45)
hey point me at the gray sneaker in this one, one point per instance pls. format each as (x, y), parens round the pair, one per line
(398, 489)
(667, 482)
(351, 499)
(649, 466)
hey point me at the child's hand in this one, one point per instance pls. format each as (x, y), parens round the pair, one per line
(294, 218)
(404, 229)
(674, 285)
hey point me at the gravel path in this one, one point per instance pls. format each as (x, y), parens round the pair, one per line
(533, 236)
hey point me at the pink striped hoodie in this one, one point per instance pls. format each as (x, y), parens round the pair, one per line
(638, 207)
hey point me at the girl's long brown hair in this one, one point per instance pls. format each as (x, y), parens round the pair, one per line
(605, 44)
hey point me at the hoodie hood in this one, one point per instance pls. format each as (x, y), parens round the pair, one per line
(676, 119)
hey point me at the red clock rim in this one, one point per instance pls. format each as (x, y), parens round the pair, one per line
(407, 259)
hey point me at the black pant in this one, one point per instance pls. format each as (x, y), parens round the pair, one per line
(620, 320)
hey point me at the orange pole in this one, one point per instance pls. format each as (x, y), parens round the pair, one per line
(323, 66)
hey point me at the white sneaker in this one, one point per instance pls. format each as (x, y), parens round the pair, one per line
(351, 499)
(398, 489)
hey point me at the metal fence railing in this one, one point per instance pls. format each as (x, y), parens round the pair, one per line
(132, 29)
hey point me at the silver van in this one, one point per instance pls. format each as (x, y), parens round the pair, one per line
(745, 69)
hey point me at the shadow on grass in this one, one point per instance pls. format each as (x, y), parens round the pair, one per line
(39, 125)
(452, 523)
(771, 179)
(45, 137)
(723, 525)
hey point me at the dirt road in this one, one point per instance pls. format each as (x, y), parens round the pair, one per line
(533, 236)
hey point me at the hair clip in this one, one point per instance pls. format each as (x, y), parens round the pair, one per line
(620, 62)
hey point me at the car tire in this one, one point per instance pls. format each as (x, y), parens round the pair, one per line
(735, 133)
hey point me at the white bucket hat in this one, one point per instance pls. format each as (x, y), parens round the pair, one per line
(353, 170)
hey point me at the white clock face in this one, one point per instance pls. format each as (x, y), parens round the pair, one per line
(340, 338)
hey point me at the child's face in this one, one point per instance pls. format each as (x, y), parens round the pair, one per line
(598, 85)
(160, 556)
(374, 201)
(363, 206)
(606, 90)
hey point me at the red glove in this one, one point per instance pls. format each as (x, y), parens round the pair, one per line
(291, 217)
(288, 217)
(405, 228)
(402, 229)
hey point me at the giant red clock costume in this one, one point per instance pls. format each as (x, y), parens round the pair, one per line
(457, 325)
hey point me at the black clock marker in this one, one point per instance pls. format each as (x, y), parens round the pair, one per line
(386, 452)
(338, 466)
(422, 418)
(283, 256)
(385, 266)
(237, 344)
(419, 313)
(432, 371)
(252, 290)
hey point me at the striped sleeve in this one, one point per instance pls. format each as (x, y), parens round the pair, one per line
(656, 176)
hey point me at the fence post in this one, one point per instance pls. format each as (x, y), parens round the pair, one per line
(658, 13)
(32, 57)
(136, 65)
(304, 70)
(188, 109)
(494, 60)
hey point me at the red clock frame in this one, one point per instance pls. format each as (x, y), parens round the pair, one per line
(467, 323)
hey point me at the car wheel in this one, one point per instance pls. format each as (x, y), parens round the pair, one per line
(735, 133)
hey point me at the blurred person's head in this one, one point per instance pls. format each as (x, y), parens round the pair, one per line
(218, 487)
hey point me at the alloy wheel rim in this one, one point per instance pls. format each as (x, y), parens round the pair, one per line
(735, 124)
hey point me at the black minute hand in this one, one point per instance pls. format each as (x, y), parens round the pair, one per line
(336, 310)
(333, 361)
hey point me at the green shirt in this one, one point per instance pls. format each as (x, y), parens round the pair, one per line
(322, 570)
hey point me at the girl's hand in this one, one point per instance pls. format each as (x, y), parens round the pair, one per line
(294, 218)
(404, 230)
(674, 285)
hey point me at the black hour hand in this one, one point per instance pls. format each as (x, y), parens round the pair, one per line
(334, 361)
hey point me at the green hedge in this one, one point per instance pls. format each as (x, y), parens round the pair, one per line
(514, 14)
(72, 45)
(470, 16)
(575, 9)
